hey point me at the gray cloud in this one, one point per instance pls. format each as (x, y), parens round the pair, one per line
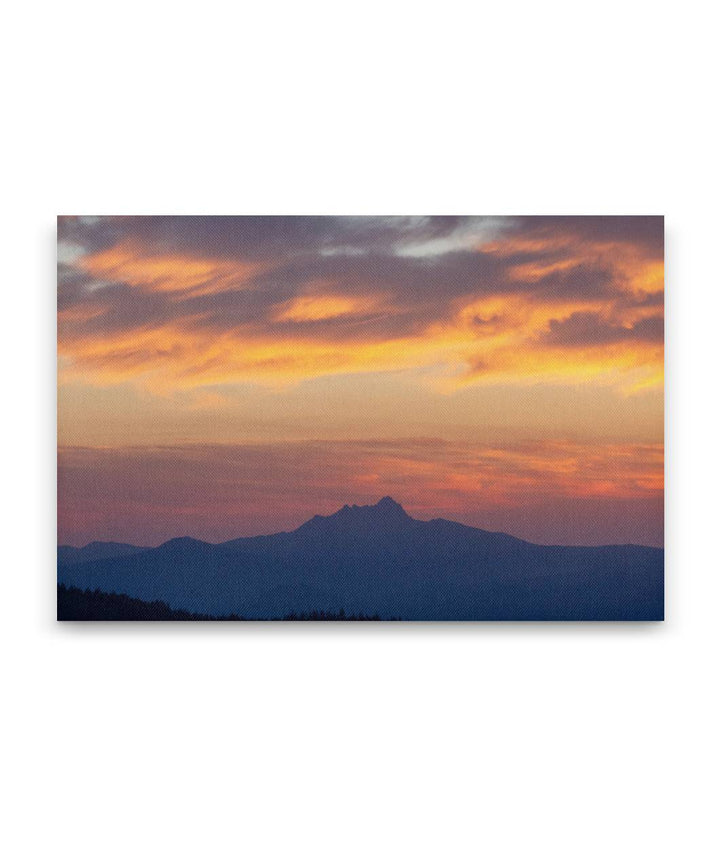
(355, 257)
(588, 328)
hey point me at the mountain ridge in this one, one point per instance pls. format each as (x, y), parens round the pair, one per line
(377, 559)
(345, 511)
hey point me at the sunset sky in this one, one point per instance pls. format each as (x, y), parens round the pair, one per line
(225, 376)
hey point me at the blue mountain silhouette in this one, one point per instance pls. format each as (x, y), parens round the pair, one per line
(377, 559)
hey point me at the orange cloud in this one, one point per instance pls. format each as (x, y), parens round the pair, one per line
(517, 473)
(165, 272)
(515, 327)
(321, 301)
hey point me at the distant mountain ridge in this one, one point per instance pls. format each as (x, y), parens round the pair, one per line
(96, 550)
(377, 559)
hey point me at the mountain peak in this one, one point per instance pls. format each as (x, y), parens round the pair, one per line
(385, 515)
(384, 508)
(387, 503)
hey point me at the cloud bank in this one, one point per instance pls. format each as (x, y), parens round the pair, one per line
(167, 302)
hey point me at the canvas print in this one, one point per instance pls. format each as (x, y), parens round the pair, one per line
(360, 418)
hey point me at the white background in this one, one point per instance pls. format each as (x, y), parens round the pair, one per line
(341, 739)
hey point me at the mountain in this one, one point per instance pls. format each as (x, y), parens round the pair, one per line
(377, 559)
(96, 550)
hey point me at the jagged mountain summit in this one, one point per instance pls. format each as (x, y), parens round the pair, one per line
(377, 559)
(383, 517)
(384, 511)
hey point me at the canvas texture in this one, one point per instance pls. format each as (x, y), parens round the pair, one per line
(395, 418)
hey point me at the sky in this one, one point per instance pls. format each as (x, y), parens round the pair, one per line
(228, 376)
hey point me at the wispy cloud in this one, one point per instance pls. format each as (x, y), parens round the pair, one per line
(176, 301)
(549, 491)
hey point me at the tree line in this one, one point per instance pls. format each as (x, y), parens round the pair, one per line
(75, 604)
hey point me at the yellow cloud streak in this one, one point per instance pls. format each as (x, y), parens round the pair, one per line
(497, 339)
(134, 266)
(321, 303)
(174, 356)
